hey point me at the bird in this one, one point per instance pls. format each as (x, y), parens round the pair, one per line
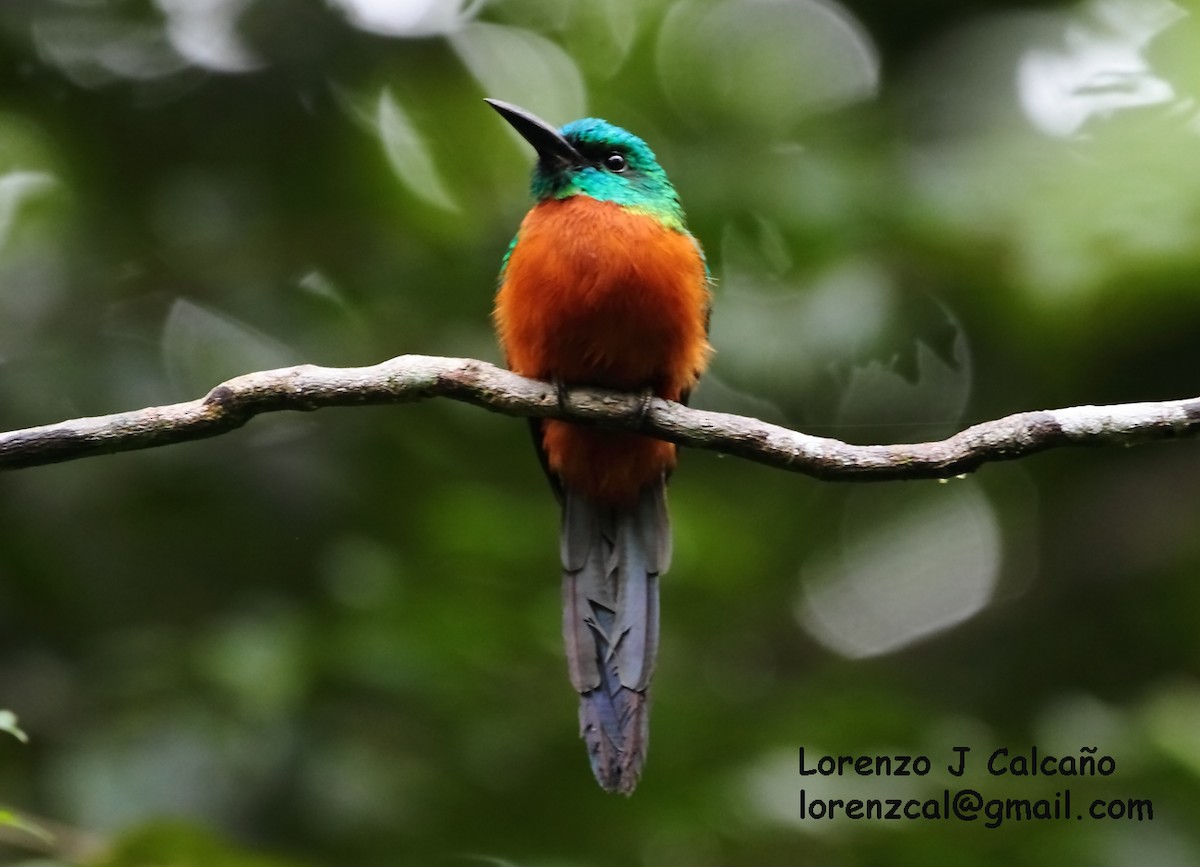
(603, 285)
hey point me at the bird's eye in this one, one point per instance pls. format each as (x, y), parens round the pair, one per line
(615, 162)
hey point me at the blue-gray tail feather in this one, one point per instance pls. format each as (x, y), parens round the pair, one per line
(612, 559)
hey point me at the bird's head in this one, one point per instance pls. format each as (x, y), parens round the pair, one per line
(592, 157)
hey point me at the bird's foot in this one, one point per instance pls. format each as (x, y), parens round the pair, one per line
(562, 392)
(646, 398)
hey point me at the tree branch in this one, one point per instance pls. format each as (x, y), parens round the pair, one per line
(411, 378)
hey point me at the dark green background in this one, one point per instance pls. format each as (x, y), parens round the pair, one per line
(333, 638)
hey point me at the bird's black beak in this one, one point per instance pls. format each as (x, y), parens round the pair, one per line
(553, 150)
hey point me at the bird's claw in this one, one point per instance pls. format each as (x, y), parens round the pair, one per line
(562, 393)
(645, 399)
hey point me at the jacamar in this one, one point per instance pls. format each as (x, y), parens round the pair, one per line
(603, 285)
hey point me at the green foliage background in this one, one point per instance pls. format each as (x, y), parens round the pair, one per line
(333, 639)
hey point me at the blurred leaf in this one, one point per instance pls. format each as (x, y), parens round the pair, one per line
(522, 67)
(777, 334)
(201, 347)
(1098, 67)
(410, 18)
(910, 561)
(16, 188)
(20, 823)
(764, 64)
(206, 33)
(8, 723)
(602, 34)
(96, 44)
(878, 398)
(407, 154)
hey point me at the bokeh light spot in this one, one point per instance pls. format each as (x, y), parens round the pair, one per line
(764, 64)
(912, 561)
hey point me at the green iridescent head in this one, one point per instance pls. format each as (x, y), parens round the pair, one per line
(592, 157)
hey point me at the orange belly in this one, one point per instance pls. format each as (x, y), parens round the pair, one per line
(595, 295)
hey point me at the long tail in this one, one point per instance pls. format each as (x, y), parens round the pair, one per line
(612, 558)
